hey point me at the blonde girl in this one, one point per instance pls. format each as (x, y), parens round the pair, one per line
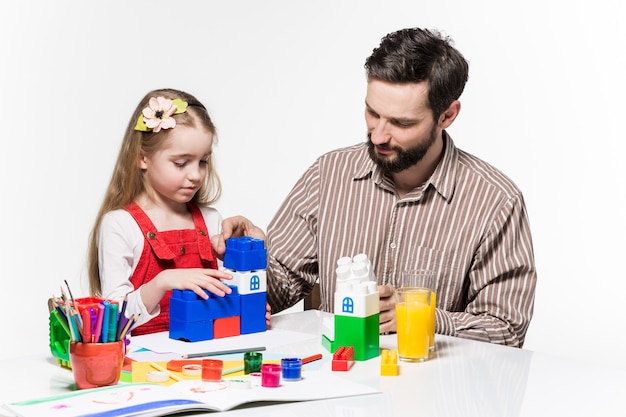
(156, 230)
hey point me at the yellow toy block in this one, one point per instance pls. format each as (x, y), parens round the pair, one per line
(389, 363)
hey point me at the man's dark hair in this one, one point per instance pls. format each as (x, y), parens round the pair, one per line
(415, 55)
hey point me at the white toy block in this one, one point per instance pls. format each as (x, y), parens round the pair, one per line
(356, 290)
(357, 299)
(249, 282)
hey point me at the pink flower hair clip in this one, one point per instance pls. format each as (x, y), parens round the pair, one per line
(158, 114)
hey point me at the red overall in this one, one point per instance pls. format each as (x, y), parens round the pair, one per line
(190, 248)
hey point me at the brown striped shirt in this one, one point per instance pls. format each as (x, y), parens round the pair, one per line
(468, 222)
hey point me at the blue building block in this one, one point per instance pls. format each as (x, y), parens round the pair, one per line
(185, 305)
(253, 313)
(191, 317)
(227, 306)
(245, 254)
(191, 331)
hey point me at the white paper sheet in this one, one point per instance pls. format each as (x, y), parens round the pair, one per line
(161, 343)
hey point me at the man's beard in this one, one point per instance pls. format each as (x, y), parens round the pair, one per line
(405, 158)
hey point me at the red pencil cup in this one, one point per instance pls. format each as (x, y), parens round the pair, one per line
(96, 364)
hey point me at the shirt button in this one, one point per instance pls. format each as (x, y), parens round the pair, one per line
(392, 245)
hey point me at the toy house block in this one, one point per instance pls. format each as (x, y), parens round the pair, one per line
(343, 358)
(248, 282)
(357, 318)
(245, 254)
(356, 307)
(246, 259)
(356, 293)
(389, 363)
(253, 289)
(357, 299)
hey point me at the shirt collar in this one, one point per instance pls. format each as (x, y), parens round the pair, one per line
(444, 176)
(443, 179)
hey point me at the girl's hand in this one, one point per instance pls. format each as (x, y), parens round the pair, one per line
(196, 280)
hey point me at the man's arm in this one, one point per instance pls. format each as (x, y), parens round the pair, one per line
(292, 263)
(502, 283)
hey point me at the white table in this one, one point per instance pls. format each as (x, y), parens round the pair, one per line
(466, 378)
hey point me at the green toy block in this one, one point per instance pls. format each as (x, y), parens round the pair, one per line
(359, 332)
(328, 344)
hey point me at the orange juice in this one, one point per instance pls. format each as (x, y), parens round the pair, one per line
(420, 296)
(413, 323)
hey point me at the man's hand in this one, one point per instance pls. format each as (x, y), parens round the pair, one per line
(235, 226)
(387, 308)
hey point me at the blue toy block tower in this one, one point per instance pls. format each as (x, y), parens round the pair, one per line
(246, 260)
(357, 309)
(240, 312)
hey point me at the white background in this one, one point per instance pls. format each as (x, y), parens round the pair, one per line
(284, 82)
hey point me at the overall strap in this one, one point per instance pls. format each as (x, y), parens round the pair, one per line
(204, 240)
(150, 232)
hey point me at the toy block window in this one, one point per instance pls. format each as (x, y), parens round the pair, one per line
(255, 283)
(347, 305)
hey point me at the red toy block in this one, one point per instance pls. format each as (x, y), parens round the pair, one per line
(343, 358)
(226, 327)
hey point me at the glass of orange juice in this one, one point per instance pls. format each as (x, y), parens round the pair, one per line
(413, 323)
(423, 279)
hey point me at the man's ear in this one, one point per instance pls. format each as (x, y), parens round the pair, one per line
(448, 116)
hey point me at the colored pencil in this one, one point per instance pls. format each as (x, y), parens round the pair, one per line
(232, 370)
(112, 326)
(311, 358)
(105, 321)
(87, 335)
(128, 326)
(121, 321)
(99, 317)
(223, 352)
